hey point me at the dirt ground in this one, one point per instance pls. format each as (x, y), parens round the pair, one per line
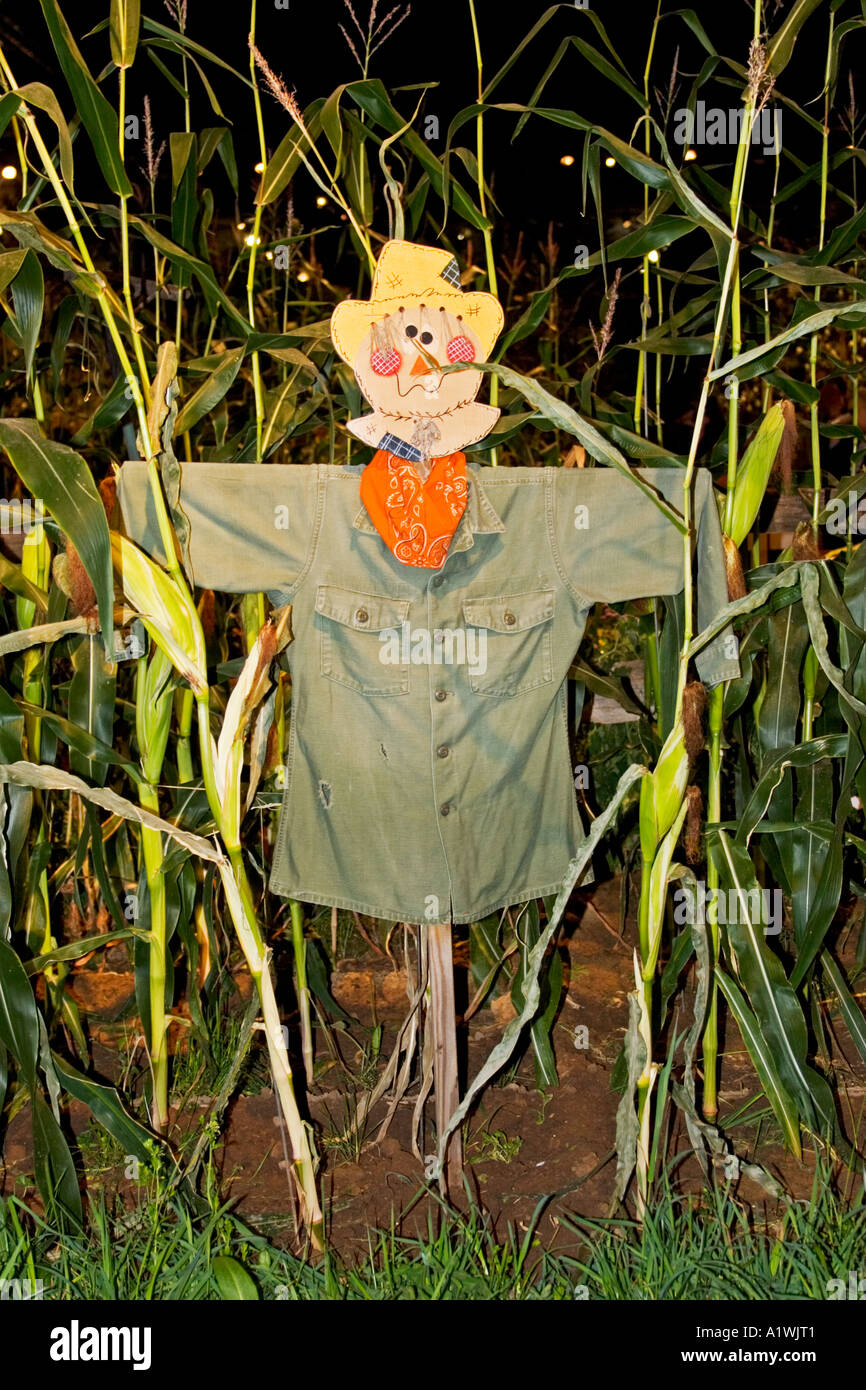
(522, 1146)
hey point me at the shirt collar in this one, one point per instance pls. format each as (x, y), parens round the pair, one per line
(479, 518)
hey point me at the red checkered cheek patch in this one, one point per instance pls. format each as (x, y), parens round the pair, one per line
(460, 349)
(388, 363)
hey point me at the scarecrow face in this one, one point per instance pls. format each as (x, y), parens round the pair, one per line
(417, 321)
(398, 365)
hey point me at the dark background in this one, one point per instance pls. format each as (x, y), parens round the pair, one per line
(539, 203)
(434, 43)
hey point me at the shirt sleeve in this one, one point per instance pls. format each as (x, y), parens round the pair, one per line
(612, 543)
(252, 526)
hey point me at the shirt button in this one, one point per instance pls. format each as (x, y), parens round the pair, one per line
(510, 619)
(438, 581)
(441, 695)
(443, 810)
(361, 615)
(443, 750)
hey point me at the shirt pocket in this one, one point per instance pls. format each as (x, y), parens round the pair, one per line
(514, 644)
(352, 630)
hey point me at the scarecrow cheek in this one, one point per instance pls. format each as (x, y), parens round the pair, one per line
(460, 349)
(385, 363)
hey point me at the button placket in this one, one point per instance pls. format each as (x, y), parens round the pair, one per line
(440, 737)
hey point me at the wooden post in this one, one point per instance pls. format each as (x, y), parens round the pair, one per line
(443, 1020)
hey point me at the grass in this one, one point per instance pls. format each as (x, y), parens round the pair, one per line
(495, 1146)
(717, 1249)
(688, 1247)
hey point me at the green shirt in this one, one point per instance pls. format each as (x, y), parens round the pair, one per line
(429, 772)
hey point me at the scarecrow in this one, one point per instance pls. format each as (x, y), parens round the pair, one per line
(436, 610)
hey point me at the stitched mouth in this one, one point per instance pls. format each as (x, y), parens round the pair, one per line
(418, 384)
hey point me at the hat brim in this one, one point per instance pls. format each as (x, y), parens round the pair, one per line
(352, 319)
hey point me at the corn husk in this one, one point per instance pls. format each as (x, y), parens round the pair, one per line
(755, 468)
(165, 610)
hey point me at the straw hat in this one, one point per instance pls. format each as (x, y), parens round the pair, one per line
(407, 276)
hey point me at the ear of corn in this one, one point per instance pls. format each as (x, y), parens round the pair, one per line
(153, 709)
(166, 611)
(754, 471)
(248, 692)
(662, 794)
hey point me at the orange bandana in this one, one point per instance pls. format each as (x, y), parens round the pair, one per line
(415, 520)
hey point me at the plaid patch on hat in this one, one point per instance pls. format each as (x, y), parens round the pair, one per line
(451, 273)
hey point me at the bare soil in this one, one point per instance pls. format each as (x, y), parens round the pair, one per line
(522, 1146)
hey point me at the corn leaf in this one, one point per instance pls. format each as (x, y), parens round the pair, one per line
(824, 904)
(803, 755)
(107, 1107)
(53, 1164)
(20, 639)
(28, 294)
(19, 1020)
(85, 746)
(289, 155)
(627, 1123)
(809, 855)
(76, 949)
(61, 479)
(776, 1006)
(37, 94)
(804, 328)
(24, 774)
(781, 45)
(562, 416)
(786, 578)
(91, 704)
(97, 114)
(211, 391)
(783, 1103)
(10, 264)
(124, 23)
(852, 1013)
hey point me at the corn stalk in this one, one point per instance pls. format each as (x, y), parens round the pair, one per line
(171, 618)
(662, 801)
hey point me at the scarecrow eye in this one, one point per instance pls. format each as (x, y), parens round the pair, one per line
(426, 337)
(411, 331)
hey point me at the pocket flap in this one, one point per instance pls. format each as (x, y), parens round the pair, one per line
(363, 612)
(513, 613)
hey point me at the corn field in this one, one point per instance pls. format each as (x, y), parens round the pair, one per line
(177, 227)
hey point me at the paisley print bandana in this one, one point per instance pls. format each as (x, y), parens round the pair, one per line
(415, 519)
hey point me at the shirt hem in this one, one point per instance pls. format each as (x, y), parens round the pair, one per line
(391, 914)
(715, 675)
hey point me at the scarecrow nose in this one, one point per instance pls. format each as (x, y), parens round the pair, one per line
(422, 367)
